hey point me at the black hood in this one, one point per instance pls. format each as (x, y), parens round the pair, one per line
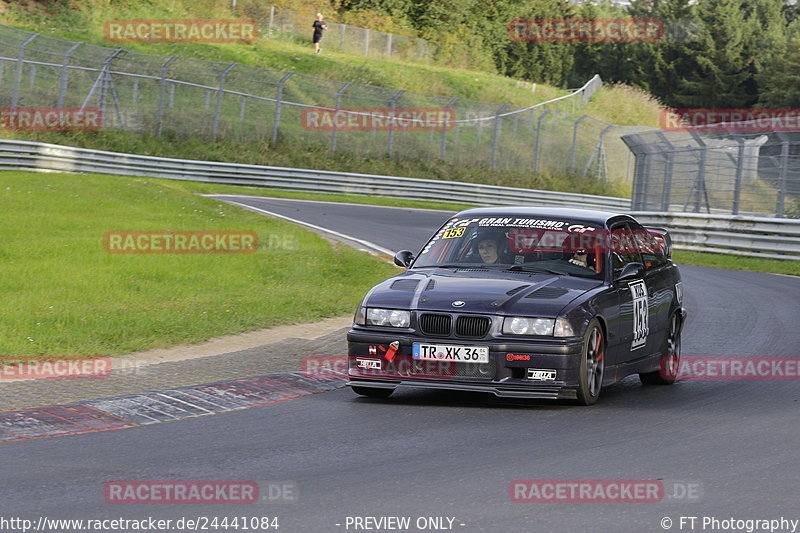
(482, 291)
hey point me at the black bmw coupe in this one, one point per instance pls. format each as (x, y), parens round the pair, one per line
(524, 302)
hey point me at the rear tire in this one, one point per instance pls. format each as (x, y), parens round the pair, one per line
(670, 361)
(372, 392)
(590, 374)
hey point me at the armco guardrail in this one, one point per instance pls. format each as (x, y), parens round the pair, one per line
(760, 237)
(738, 235)
(25, 155)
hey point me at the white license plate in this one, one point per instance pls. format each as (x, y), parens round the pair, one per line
(449, 352)
(541, 375)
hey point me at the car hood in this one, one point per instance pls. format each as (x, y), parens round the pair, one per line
(504, 293)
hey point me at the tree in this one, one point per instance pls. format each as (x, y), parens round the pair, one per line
(718, 66)
(780, 83)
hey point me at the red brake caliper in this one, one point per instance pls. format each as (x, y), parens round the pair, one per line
(599, 345)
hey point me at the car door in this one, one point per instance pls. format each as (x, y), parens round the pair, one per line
(633, 297)
(659, 286)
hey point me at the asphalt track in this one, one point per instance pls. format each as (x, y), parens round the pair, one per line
(443, 454)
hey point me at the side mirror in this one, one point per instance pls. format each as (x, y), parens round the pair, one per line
(403, 258)
(631, 270)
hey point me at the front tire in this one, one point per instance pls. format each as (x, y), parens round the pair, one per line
(670, 362)
(590, 375)
(372, 392)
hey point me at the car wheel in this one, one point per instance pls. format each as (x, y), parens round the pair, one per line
(372, 392)
(671, 360)
(590, 377)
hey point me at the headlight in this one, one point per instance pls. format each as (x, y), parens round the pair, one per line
(388, 317)
(528, 326)
(563, 328)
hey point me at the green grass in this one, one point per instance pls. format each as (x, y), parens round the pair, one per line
(64, 295)
(737, 262)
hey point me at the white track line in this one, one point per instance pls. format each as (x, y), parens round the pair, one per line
(367, 244)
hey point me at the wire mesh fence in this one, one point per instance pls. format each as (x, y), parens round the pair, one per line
(722, 172)
(188, 97)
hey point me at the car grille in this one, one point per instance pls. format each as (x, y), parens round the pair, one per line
(435, 324)
(467, 326)
(472, 326)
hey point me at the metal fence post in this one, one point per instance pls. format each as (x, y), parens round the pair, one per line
(161, 92)
(666, 192)
(20, 64)
(573, 156)
(389, 44)
(277, 122)
(342, 29)
(538, 148)
(220, 94)
(496, 133)
(106, 85)
(339, 93)
(698, 188)
(366, 42)
(392, 103)
(443, 147)
(779, 207)
(599, 153)
(737, 185)
(271, 20)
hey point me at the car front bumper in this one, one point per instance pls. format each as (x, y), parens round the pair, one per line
(373, 362)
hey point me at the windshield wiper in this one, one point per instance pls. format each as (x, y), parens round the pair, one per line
(523, 268)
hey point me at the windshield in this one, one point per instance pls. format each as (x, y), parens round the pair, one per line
(558, 246)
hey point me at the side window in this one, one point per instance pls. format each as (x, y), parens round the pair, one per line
(650, 248)
(623, 247)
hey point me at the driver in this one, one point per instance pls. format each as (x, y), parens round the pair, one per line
(489, 246)
(580, 258)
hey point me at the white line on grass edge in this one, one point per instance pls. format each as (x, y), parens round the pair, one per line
(369, 245)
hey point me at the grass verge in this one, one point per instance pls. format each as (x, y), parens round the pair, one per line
(64, 295)
(737, 262)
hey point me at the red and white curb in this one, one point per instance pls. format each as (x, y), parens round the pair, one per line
(152, 407)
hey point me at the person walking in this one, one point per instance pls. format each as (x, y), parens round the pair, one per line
(319, 26)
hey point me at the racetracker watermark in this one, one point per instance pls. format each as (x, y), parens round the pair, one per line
(727, 120)
(50, 119)
(614, 30)
(378, 119)
(180, 242)
(47, 367)
(324, 366)
(603, 491)
(199, 492)
(737, 368)
(181, 31)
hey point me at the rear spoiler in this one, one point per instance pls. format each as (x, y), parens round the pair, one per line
(663, 239)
